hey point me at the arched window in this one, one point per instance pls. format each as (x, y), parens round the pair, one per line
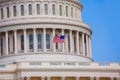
(66, 11)
(8, 12)
(22, 42)
(53, 9)
(60, 10)
(22, 10)
(39, 39)
(31, 41)
(30, 9)
(14, 11)
(48, 41)
(46, 9)
(38, 8)
(2, 16)
(72, 12)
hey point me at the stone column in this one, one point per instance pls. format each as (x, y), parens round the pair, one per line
(48, 77)
(77, 42)
(63, 46)
(97, 78)
(111, 78)
(28, 78)
(82, 45)
(91, 78)
(77, 78)
(87, 46)
(44, 40)
(42, 77)
(35, 40)
(25, 42)
(6, 42)
(15, 43)
(63, 78)
(54, 48)
(90, 47)
(71, 48)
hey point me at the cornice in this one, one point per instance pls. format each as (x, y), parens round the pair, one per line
(44, 20)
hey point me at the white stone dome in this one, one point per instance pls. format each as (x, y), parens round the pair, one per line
(28, 27)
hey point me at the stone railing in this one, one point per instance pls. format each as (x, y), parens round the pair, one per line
(59, 65)
(69, 65)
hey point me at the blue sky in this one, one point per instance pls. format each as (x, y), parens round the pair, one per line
(103, 16)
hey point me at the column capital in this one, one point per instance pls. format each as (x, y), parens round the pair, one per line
(15, 30)
(48, 77)
(44, 28)
(111, 78)
(34, 28)
(77, 77)
(28, 77)
(97, 77)
(62, 77)
(24, 29)
(92, 78)
(6, 31)
(54, 28)
(42, 77)
(70, 30)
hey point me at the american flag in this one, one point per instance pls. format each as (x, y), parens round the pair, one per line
(59, 39)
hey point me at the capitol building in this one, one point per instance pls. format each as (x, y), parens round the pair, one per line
(27, 49)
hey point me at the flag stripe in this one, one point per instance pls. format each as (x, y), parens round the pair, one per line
(58, 39)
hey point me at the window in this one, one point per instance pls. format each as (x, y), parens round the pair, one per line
(2, 13)
(38, 8)
(14, 11)
(1, 47)
(72, 12)
(22, 10)
(8, 12)
(30, 9)
(31, 41)
(22, 42)
(53, 9)
(13, 43)
(74, 43)
(48, 41)
(66, 11)
(60, 10)
(9, 44)
(68, 43)
(39, 38)
(46, 9)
